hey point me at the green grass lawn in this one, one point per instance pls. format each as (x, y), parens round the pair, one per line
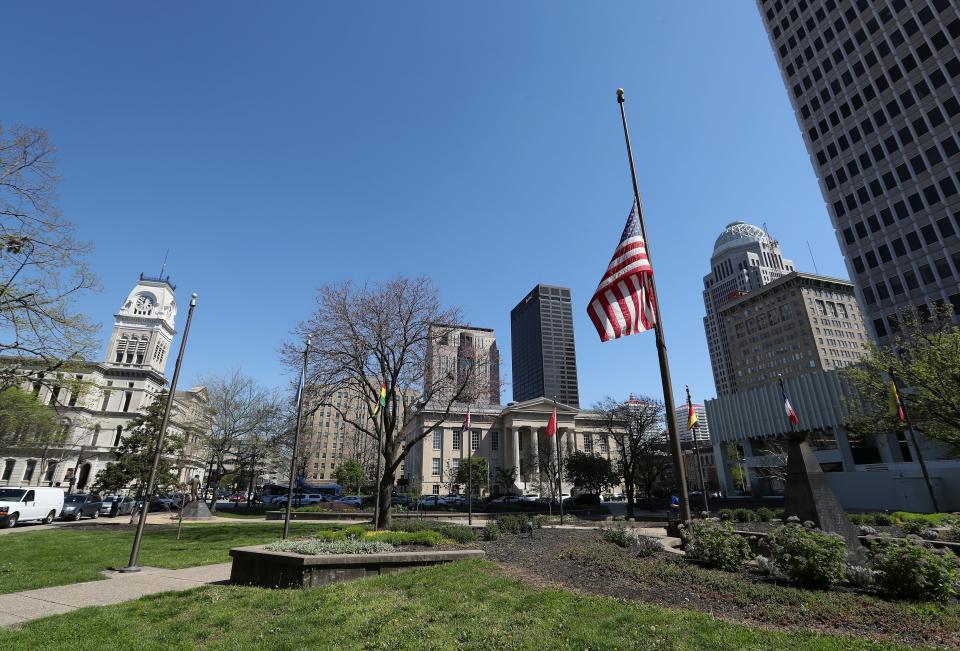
(40, 559)
(465, 605)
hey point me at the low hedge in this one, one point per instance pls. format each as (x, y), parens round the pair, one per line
(455, 532)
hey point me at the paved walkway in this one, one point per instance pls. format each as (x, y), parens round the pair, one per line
(21, 607)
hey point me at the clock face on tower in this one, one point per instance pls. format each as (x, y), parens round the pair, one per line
(144, 305)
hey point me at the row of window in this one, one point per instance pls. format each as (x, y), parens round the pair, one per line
(883, 254)
(910, 282)
(458, 439)
(891, 325)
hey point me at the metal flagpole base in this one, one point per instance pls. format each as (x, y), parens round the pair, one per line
(128, 570)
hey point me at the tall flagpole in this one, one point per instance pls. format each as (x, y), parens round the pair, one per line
(138, 536)
(916, 446)
(296, 440)
(677, 452)
(696, 451)
(559, 460)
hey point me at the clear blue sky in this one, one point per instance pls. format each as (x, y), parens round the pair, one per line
(273, 147)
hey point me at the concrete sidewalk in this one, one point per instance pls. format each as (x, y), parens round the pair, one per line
(21, 607)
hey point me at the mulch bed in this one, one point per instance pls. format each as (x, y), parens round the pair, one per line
(579, 561)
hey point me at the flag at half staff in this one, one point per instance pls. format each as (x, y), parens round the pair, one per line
(896, 403)
(552, 423)
(691, 419)
(624, 303)
(788, 408)
(466, 421)
(381, 400)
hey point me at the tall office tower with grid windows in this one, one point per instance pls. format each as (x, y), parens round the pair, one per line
(542, 347)
(745, 258)
(875, 87)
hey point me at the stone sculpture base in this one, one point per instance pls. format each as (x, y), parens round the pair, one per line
(196, 510)
(809, 496)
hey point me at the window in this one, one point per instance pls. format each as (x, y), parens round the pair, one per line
(51, 468)
(455, 466)
(8, 469)
(494, 440)
(588, 443)
(435, 467)
(127, 397)
(159, 352)
(437, 439)
(116, 441)
(475, 440)
(457, 439)
(436, 489)
(604, 444)
(28, 470)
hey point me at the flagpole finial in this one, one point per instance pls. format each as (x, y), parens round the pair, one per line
(620, 96)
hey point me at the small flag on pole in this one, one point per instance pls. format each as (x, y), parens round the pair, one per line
(624, 303)
(552, 424)
(466, 421)
(788, 408)
(381, 400)
(303, 381)
(691, 419)
(896, 404)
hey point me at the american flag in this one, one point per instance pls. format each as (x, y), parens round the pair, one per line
(624, 302)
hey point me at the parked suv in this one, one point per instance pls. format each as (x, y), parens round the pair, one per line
(76, 506)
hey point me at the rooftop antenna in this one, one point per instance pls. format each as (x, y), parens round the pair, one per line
(163, 267)
(812, 259)
(767, 231)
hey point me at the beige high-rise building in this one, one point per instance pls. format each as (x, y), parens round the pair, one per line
(796, 324)
(453, 350)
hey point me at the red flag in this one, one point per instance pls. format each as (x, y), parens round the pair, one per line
(552, 425)
(466, 421)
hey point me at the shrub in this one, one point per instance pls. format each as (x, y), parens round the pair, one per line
(715, 544)
(515, 523)
(428, 538)
(647, 546)
(619, 536)
(767, 566)
(928, 519)
(907, 569)
(744, 515)
(458, 533)
(726, 514)
(859, 576)
(859, 518)
(809, 557)
(912, 527)
(882, 519)
(314, 547)
(491, 531)
(764, 514)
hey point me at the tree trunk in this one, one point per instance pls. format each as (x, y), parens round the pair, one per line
(386, 494)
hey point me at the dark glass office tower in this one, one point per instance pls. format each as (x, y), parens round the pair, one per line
(541, 339)
(876, 89)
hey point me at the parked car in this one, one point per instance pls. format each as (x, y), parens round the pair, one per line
(431, 501)
(76, 506)
(124, 505)
(31, 503)
(507, 499)
(352, 500)
(530, 497)
(586, 499)
(400, 500)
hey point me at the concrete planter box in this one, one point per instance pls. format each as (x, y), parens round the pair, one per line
(257, 566)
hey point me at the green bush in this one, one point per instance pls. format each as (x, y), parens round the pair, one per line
(514, 523)
(744, 515)
(914, 527)
(428, 538)
(715, 544)
(314, 547)
(882, 519)
(458, 533)
(619, 536)
(726, 514)
(906, 569)
(764, 514)
(809, 557)
(926, 519)
(491, 531)
(859, 518)
(455, 532)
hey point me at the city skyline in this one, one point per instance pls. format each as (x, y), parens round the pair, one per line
(254, 240)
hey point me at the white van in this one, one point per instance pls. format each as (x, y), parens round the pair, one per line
(30, 503)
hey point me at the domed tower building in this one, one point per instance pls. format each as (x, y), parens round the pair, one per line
(744, 259)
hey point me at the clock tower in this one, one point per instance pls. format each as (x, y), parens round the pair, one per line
(144, 327)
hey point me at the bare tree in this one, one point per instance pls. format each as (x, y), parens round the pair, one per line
(42, 266)
(378, 335)
(636, 427)
(241, 416)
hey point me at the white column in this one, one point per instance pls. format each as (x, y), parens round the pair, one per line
(515, 436)
(534, 454)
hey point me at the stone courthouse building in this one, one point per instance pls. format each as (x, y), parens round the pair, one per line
(96, 401)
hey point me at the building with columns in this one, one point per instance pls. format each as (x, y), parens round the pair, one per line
(96, 401)
(511, 438)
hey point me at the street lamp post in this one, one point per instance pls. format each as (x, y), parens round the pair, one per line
(135, 550)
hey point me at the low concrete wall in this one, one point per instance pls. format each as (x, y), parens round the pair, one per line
(257, 566)
(425, 515)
